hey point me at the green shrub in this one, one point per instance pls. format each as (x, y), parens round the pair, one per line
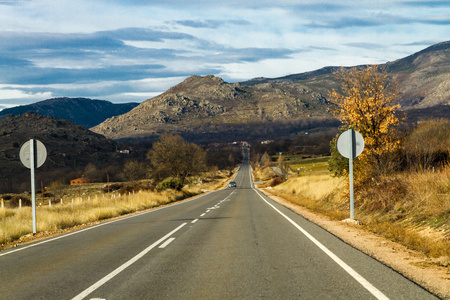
(171, 183)
(276, 181)
(14, 202)
(112, 187)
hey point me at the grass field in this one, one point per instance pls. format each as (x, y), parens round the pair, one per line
(310, 166)
(412, 208)
(87, 204)
(16, 222)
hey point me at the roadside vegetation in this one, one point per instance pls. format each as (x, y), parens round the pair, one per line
(402, 179)
(409, 207)
(412, 208)
(15, 222)
(91, 203)
(172, 170)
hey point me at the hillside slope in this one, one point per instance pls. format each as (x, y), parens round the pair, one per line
(423, 77)
(206, 103)
(81, 111)
(70, 148)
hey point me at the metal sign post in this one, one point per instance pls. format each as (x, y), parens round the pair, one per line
(33, 183)
(350, 144)
(350, 168)
(33, 155)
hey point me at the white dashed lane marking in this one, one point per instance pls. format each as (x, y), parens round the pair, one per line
(136, 258)
(214, 207)
(167, 242)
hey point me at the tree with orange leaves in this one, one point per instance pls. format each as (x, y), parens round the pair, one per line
(366, 103)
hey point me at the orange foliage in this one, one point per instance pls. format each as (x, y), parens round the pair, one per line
(366, 103)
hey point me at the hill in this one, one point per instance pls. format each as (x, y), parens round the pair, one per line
(70, 148)
(208, 105)
(81, 111)
(259, 108)
(423, 77)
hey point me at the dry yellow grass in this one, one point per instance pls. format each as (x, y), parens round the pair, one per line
(431, 191)
(315, 187)
(263, 174)
(15, 223)
(319, 193)
(421, 198)
(86, 204)
(410, 208)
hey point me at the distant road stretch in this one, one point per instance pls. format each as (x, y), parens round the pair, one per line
(229, 244)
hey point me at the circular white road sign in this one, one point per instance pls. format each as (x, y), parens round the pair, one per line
(344, 144)
(40, 153)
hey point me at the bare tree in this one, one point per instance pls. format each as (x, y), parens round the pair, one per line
(133, 170)
(173, 156)
(265, 160)
(428, 146)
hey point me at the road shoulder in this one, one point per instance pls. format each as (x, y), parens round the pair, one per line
(411, 264)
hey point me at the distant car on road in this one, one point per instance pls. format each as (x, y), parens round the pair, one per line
(232, 184)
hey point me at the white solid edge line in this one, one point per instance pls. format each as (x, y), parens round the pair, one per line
(98, 225)
(108, 277)
(167, 242)
(367, 285)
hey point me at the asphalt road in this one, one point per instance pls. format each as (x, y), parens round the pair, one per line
(229, 244)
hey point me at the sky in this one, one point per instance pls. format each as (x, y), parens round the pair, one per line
(132, 50)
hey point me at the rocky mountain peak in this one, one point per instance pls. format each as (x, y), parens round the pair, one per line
(195, 81)
(207, 102)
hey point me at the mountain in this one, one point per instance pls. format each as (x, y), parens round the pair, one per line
(81, 111)
(423, 77)
(70, 148)
(203, 104)
(211, 107)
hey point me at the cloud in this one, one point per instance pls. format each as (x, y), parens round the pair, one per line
(113, 39)
(345, 23)
(305, 5)
(369, 46)
(440, 20)
(13, 96)
(114, 48)
(58, 75)
(12, 2)
(252, 54)
(374, 20)
(320, 7)
(423, 43)
(144, 34)
(8, 93)
(211, 24)
(44, 58)
(427, 4)
(13, 62)
(22, 41)
(34, 57)
(312, 48)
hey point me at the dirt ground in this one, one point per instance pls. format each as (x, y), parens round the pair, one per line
(411, 264)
